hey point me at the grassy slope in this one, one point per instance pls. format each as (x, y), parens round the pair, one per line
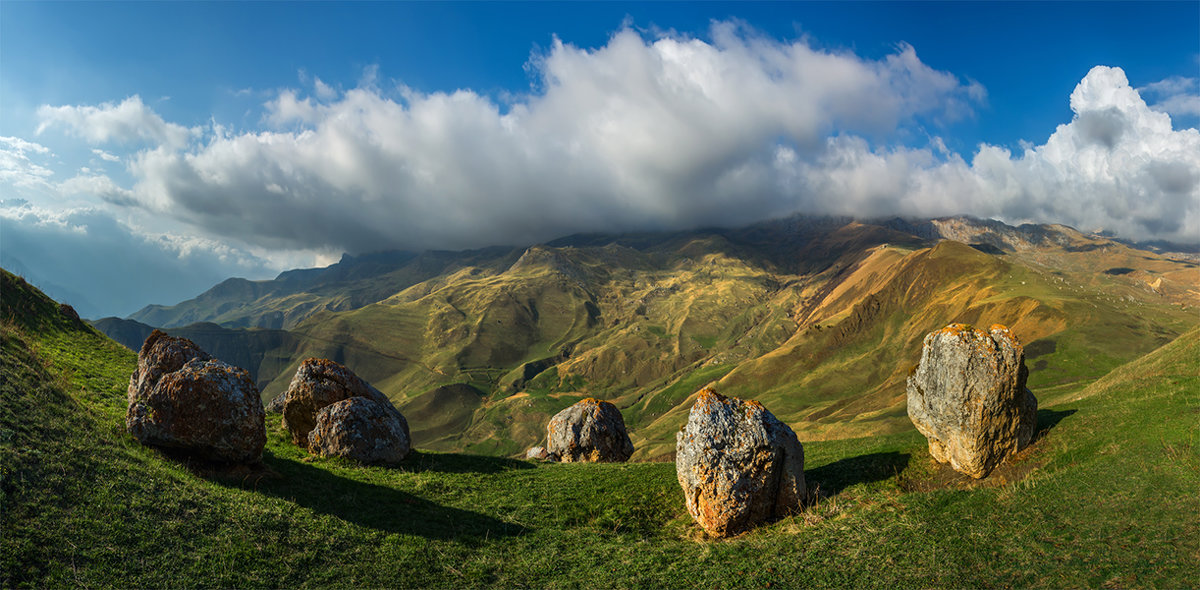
(820, 326)
(819, 319)
(1109, 500)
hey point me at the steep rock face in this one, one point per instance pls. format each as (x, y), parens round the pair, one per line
(318, 383)
(968, 397)
(738, 465)
(589, 431)
(361, 430)
(206, 407)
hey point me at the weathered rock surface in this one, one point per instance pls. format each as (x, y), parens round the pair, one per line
(160, 354)
(738, 464)
(206, 407)
(589, 431)
(318, 383)
(275, 406)
(538, 454)
(968, 397)
(362, 430)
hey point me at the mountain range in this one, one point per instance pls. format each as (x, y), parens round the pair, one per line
(820, 319)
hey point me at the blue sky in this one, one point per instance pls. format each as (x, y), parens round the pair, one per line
(169, 145)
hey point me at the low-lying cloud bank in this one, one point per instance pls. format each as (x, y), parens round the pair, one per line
(668, 132)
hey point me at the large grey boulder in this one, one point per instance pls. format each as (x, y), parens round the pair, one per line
(182, 398)
(361, 430)
(738, 464)
(968, 397)
(319, 383)
(589, 431)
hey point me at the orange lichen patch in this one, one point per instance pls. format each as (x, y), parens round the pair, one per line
(590, 400)
(753, 407)
(709, 396)
(998, 327)
(956, 329)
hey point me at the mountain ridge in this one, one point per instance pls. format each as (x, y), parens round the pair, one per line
(819, 317)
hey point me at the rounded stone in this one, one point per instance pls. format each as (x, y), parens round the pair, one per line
(968, 397)
(318, 383)
(738, 465)
(591, 431)
(361, 430)
(206, 407)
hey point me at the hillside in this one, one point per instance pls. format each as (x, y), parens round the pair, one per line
(1104, 497)
(261, 351)
(820, 318)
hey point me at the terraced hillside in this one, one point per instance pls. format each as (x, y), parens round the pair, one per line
(821, 319)
(1104, 497)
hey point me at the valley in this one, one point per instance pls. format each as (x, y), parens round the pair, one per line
(819, 318)
(1102, 497)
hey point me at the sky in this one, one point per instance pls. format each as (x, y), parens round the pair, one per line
(150, 150)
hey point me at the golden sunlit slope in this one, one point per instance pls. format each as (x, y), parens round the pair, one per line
(818, 319)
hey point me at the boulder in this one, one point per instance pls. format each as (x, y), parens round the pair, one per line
(589, 431)
(738, 464)
(318, 383)
(362, 430)
(69, 312)
(538, 454)
(160, 354)
(206, 408)
(275, 406)
(968, 397)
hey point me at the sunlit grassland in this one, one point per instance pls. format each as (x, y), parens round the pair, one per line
(1106, 496)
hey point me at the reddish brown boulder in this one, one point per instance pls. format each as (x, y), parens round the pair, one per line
(738, 464)
(592, 430)
(319, 383)
(160, 354)
(361, 430)
(206, 408)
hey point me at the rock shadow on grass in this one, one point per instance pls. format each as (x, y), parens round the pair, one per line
(373, 506)
(941, 476)
(829, 480)
(418, 462)
(1048, 419)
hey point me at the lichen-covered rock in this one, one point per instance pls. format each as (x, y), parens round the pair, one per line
(275, 406)
(538, 454)
(968, 397)
(160, 354)
(362, 430)
(590, 431)
(206, 407)
(738, 464)
(318, 383)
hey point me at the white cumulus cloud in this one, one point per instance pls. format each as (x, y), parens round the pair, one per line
(106, 156)
(641, 133)
(129, 121)
(17, 166)
(1176, 96)
(665, 132)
